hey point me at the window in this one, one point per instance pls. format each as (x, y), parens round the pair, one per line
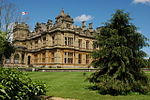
(44, 40)
(31, 45)
(43, 57)
(22, 60)
(8, 61)
(80, 43)
(16, 59)
(35, 58)
(29, 60)
(65, 60)
(66, 41)
(65, 53)
(53, 42)
(87, 44)
(52, 57)
(95, 45)
(79, 58)
(24, 44)
(68, 57)
(36, 43)
(87, 58)
(69, 41)
(68, 25)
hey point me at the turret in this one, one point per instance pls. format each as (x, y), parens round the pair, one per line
(90, 26)
(20, 31)
(40, 27)
(83, 24)
(63, 19)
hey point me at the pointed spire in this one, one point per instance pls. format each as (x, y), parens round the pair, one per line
(63, 16)
(62, 13)
(62, 10)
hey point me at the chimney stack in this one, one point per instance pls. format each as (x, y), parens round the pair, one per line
(90, 25)
(83, 24)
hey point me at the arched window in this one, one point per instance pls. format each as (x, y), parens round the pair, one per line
(8, 60)
(22, 60)
(53, 40)
(16, 59)
(29, 58)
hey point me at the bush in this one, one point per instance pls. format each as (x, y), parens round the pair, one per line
(15, 85)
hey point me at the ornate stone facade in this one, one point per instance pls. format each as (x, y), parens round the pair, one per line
(55, 45)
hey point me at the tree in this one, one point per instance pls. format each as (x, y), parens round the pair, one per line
(148, 63)
(8, 15)
(2, 42)
(120, 58)
(5, 47)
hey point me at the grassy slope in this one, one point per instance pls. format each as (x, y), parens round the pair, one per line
(73, 85)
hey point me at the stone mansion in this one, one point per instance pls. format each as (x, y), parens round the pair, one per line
(54, 45)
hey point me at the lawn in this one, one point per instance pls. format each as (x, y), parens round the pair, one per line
(73, 85)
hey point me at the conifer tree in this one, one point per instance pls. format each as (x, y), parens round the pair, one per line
(120, 58)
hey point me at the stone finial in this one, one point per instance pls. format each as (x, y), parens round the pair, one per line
(49, 22)
(16, 23)
(22, 22)
(37, 24)
(62, 13)
(90, 25)
(83, 24)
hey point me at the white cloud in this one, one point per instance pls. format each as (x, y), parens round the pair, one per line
(83, 17)
(142, 1)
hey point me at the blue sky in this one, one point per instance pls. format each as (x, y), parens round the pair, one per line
(96, 11)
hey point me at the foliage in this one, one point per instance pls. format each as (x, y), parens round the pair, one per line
(5, 46)
(2, 43)
(148, 63)
(15, 85)
(119, 58)
(8, 15)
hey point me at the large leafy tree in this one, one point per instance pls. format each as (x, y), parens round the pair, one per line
(5, 47)
(8, 15)
(120, 57)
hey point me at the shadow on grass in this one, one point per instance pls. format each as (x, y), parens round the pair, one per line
(92, 88)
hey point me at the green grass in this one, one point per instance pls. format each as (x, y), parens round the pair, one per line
(73, 85)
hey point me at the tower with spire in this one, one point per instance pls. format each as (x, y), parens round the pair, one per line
(64, 19)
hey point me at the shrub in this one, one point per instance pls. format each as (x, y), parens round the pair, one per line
(15, 85)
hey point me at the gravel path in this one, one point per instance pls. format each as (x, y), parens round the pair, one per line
(55, 98)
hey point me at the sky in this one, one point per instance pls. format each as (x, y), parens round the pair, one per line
(95, 11)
